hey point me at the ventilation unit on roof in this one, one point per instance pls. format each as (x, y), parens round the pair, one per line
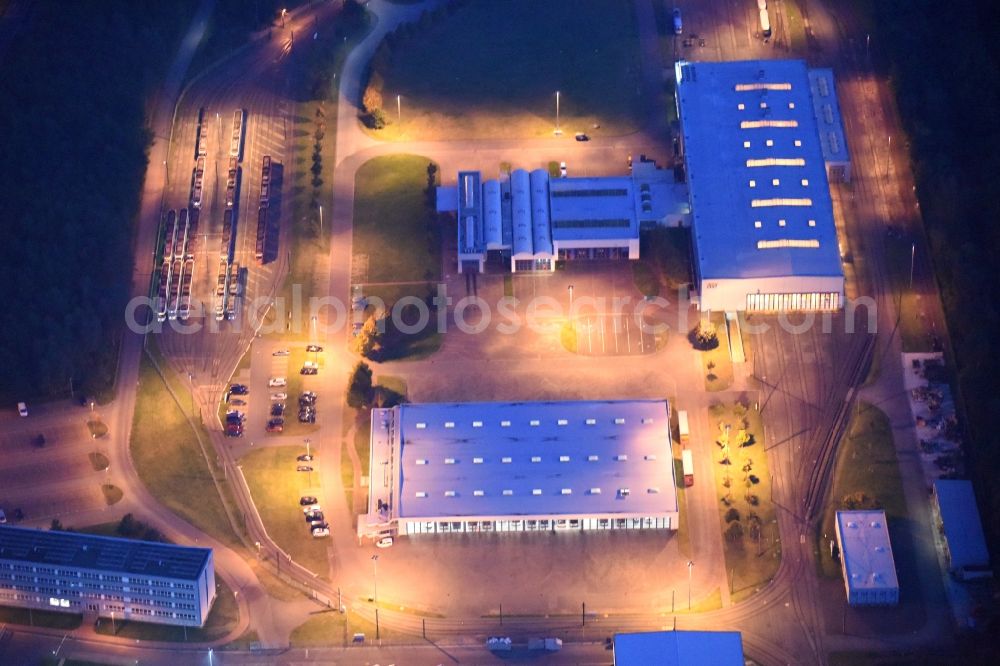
(505, 424)
(566, 491)
(563, 458)
(421, 493)
(876, 524)
(624, 492)
(449, 424)
(595, 491)
(651, 456)
(449, 461)
(619, 421)
(647, 420)
(593, 458)
(508, 492)
(652, 491)
(477, 461)
(834, 142)
(450, 493)
(824, 88)
(478, 493)
(562, 422)
(591, 421)
(421, 426)
(536, 491)
(505, 459)
(421, 461)
(536, 459)
(621, 457)
(828, 114)
(477, 424)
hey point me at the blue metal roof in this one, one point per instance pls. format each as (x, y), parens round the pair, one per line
(679, 648)
(756, 172)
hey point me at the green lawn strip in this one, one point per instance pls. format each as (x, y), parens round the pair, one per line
(221, 620)
(795, 27)
(40, 618)
(699, 605)
(362, 441)
(531, 51)
(750, 562)
(866, 463)
(393, 224)
(276, 488)
(347, 474)
(170, 462)
(393, 383)
(717, 365)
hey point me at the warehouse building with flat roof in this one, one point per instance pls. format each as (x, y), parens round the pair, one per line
(525, 466)
(528, 220)
(757, 143)
(959, 522)
(679, 648)
(866, 558)
(107, 577)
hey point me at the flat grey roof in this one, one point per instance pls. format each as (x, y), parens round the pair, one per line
(535, 458)
(679, 648)
(593, 208)
(866, 550)
(753, 156)
(962, 526)
(827, 111)
(85, 551)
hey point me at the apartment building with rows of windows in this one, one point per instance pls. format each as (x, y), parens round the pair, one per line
(107, 577)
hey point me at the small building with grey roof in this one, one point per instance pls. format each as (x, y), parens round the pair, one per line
(866, 558)
(106, 577)
(521, 466)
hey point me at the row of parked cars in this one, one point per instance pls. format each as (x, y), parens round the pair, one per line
(313, 513)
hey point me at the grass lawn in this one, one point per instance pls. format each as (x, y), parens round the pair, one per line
(796, 28)
(668, 250)
(221, 620)
(460, 81)
(750, 561)
(393, 383)
(330, 628)
(395, 230)
(409, 347)
(38, 618)
(276, 488)
(170, 462)
(716, 362)
(866, 462)
(362, 440)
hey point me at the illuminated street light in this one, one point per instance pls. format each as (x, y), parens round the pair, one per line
(399, 110)
(558, 130)
(570, 290)
(690, 566)
(283, 12)
(375, 579)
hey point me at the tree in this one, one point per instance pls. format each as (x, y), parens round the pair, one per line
(705, 335)
(368, 341)
(376, 119)
(371, 101)
(57, 525)
(732, 515)
(734, 532)
(359, 388)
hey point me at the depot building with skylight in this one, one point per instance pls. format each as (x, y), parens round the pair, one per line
(526, 466)
(761, 141)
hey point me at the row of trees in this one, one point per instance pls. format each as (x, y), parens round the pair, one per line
(947, 97)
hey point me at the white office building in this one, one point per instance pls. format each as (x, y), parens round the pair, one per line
(106, 577)
(866, 558)
(758, 139)
(528, 466)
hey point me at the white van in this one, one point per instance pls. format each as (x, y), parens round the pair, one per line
(22, 409)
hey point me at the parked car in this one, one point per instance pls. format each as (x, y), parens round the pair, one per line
(307, 417)
(239, 389)
(384, 542)
(277, 409)
(313, 507)
(303, 468)
(306, 370)
(233, 416)
(313, 348)
(280, 352)
(562, 169)
(309, 501)
(234, 430)
(580, 136)
(314, 517)
(320, 532)
(275, 425)
(305, 457)
(279, 396)
(277, 382)
(22, 409)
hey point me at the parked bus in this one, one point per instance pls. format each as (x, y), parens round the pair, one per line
(682, 426)
(765, 23)
(687, 463)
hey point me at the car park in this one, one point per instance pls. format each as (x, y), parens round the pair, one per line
(239, 389)
(279, 396)
(309, 501)
(280, 352)
(303, 468)
(305, 457)
(277, 382)
(313, 348)
(384, 542)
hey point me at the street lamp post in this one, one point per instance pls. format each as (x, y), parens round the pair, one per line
(558, 130)
(308, 442)
(375, 579)
(283, 12)
(321, 219)
(399, 110)
(690, 566)
(913, 255)
(570, 289)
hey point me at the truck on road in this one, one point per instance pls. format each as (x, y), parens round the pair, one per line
(687, 464)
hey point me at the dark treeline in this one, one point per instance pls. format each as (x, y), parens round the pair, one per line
(76, 84)
(942, 60)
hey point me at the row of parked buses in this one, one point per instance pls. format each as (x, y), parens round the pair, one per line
(765, 21)
(265, 199)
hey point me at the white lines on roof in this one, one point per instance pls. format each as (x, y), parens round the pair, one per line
(765, 203)
(757, 124)
(787, 242)
(748, 87)
(776, 161)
